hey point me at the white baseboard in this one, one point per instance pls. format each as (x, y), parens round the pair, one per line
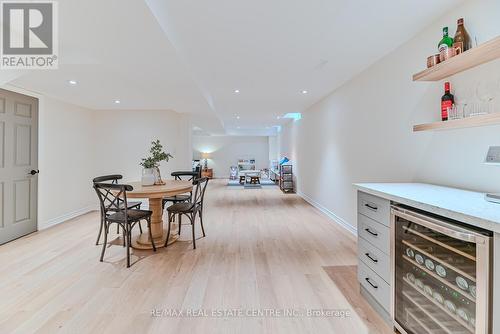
(353, 230)
(61, 219)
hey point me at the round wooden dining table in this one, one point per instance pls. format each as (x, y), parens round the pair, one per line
(155, 195)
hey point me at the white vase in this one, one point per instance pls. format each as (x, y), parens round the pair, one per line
(148, 177)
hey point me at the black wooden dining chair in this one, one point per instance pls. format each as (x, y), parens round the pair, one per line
(131, 205)
(181, 175)
(190, 209)
(182, 198)
(113, 202)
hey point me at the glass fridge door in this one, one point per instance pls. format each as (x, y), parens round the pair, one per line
(436, 278)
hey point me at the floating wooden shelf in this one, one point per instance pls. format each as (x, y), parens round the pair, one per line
(474, 57)
(483, 120)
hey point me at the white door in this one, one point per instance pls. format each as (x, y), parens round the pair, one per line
(18, 165)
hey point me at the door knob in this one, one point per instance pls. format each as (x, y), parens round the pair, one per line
(34, 171)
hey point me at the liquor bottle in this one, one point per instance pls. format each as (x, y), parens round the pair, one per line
(462, 39)
(446, 101)
(446, 42)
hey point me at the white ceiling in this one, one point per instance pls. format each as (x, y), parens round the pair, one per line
(273, 50)
(116, 50)
(190, 56)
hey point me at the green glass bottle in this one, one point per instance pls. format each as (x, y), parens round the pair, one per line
(446, 42)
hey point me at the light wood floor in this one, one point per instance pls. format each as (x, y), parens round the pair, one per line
(263, 250)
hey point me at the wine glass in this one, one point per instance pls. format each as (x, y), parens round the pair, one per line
(463, 100)
(454, 112)
(486, 92)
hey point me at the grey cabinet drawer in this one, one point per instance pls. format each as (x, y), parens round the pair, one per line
(375, 259)
(375, 233)
(374, 207)
(375, 285)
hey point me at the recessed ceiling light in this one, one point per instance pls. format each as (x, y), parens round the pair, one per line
(278, 117)
(237, 117)
(304, 92)
(238, 127)
(236, 91)
(118, 101)
(72, 82)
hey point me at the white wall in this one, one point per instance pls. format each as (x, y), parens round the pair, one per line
(66, 161)
(362, 132)
(226, 150)
(124, 138)
(184, 143)
(76, 144)
(273, 148)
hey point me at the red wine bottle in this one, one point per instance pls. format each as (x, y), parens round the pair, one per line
(447, 101)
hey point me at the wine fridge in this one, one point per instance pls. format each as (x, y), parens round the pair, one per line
(441, 275)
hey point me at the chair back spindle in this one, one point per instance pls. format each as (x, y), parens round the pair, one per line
(201, 185)
(111, 195)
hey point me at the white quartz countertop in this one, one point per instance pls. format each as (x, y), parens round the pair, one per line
(466, 206)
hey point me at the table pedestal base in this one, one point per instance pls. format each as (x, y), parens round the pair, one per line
(143, 242)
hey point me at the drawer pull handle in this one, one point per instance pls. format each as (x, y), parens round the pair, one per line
(373, 207)
(372, 233)
(371, 258)
(370, 282)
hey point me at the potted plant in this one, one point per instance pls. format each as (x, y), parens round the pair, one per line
(151, 165)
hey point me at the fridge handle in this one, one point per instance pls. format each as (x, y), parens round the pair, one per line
(440, 226)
